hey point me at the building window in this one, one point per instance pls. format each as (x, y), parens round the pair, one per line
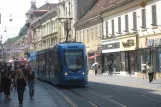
(83, 36)
(92, 33)
(101, 30)
(134, 21)
(113, 27)
(126, 23)
(119, 25)
(80, 37)
(154, 15)
(96, 36)
(106, 29)
(77, 36)
(87, 35)
(143, 18)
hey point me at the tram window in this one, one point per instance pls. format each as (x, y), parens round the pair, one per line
(74, 59)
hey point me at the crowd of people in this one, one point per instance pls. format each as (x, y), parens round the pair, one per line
(17, 78)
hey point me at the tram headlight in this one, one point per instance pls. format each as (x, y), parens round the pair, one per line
(83, 73)
(65, 73)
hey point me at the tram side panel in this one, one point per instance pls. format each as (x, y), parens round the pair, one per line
(47, 59)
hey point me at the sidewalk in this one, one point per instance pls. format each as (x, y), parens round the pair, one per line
(129, 81)
(45, 96)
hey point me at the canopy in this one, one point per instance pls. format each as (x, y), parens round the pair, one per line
(92, 57)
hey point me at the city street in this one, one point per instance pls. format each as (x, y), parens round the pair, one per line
(102, 91)
(116, 91)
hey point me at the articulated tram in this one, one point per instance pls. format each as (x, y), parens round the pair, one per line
(64, 64)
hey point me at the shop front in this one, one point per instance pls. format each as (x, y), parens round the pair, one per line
(121, 53)
(150, 51)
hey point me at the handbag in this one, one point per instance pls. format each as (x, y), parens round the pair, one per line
(154, 76)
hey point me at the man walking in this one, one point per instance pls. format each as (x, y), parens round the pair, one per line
(31, 81)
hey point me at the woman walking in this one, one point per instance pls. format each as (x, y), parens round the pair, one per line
(150, 72)
(20, 83)
(144, 69)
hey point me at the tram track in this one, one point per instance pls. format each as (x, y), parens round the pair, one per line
(97, 94)
(126, 90)
(94, 105)
(92, 96)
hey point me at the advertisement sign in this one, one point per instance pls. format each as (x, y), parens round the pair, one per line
(128, 43)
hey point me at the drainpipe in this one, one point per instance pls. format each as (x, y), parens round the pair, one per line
(102, 56)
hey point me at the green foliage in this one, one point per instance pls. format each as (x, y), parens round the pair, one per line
(12, 40)
(23, 30)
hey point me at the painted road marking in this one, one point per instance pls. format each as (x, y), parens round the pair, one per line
(107, 98)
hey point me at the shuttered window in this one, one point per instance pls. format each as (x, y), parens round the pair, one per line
(106, 28)
(126, 23)
(143, 18)
(119, 25)
(154, 15)
(134, 21)
(113, 27)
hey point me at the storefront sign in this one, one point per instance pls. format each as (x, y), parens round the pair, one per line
(153, 42)
(128, 43)
(111, 46)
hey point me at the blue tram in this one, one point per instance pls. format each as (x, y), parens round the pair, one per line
(33, 62)
(64, 64)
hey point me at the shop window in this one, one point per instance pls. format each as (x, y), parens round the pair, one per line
(159, 59)
(122, 61)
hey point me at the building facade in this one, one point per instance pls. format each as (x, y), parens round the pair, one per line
(70, 11)
(89, 31)
(45, 31)
(126, 31)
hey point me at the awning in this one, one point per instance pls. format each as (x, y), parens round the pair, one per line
(92, 57)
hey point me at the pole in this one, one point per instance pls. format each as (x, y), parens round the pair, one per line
(95, 57)
(67, 35)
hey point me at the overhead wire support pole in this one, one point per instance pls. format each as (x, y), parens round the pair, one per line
(67, 25)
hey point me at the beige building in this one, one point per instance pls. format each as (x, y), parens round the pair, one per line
(45, 31)
(71, 11)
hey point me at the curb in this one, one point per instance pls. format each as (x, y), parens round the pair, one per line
(65, 98)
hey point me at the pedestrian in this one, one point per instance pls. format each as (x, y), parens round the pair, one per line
(110, 68)
(96, 68)
(6, 84)
(144, 70)
(31, 81)
(20, 84)
(150, 72)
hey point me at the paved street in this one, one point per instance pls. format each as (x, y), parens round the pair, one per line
(116, 91)
(102, 91)
(45, 96)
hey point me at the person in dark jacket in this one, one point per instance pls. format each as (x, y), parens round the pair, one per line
(20, 84)
(31, 81)
(6, 84)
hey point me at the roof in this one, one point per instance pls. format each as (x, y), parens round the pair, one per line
(48, 6)
(100, 7)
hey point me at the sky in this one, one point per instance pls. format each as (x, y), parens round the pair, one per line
(17, 9)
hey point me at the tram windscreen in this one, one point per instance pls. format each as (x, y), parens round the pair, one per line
(74, 59)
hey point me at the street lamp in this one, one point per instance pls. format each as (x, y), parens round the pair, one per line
(10, 19)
